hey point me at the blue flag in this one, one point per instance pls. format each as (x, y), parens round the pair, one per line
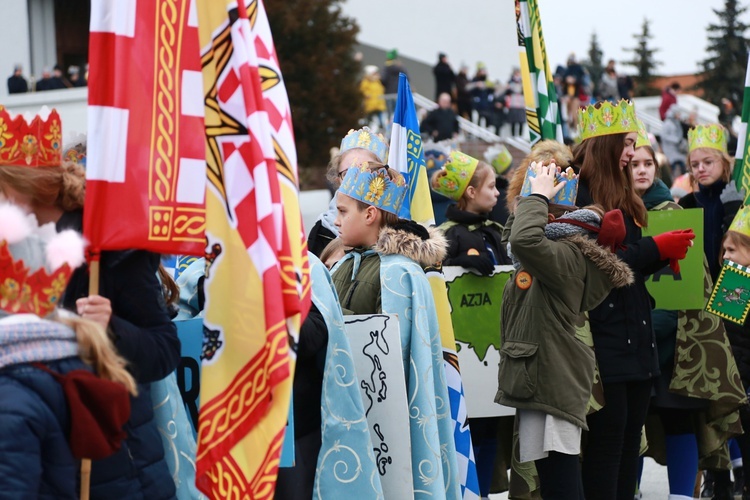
(407, 156)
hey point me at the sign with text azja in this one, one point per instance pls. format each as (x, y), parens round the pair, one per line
(683, 290)
(475, 312)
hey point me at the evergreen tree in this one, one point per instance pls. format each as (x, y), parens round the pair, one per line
(724, 70)
(315, 44)
(594, 63)
(644, 62)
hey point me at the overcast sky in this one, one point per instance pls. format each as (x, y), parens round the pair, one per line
(678, 28)
(484, 30)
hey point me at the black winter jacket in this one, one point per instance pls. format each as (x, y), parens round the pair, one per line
(146, 337)
(624, 339)
(466, 231)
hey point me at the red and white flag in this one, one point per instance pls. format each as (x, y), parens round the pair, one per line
(146, 168)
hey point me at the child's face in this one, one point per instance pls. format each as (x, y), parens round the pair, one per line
(485, 196)
(643, 169)
(736, 253)
(629, 150)
(355, 228)
(706, 166)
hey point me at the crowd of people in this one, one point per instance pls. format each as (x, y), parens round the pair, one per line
(591, 368)
(50, 79)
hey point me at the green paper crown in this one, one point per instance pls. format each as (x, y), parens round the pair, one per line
(643, 139)
(712, 136)
(459, 169)
(607, 119)
(366, 139)
(373, 186)
(741, 222)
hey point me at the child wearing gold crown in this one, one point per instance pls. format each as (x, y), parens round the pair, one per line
(546, 371)
(710, 167)
(383, 274)
(621, 326)
(358, 146)
(45, 428)
(129, 305)
(736, 248)
(688, 331)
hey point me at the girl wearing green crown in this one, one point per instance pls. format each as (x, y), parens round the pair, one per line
(710, 169)
(475, 242)
(621, 326)
(736, 248)
(681, 406)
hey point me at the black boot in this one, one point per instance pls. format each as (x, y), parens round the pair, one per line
(708, 484)
(722, 486)
(739, 480)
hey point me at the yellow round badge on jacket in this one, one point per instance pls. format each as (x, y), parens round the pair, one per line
(472, 251)
(523, 280)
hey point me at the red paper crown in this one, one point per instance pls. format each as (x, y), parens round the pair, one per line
(22, 291)
(35, 144)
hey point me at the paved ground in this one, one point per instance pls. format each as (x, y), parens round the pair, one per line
(654, 483)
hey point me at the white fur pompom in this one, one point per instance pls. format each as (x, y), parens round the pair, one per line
(67, 247)
(14, 224)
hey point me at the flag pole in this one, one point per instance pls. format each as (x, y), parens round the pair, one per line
(86, 462)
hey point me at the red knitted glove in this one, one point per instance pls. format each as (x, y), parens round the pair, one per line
(674, 244)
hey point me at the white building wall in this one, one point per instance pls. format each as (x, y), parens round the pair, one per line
(15, 41)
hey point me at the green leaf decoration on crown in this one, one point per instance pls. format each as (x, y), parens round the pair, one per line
(741, 222)
(366, 139)
(375, 187)
(606, 118)
(459, 169)
(712, 136)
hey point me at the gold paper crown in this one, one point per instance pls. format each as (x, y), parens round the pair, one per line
(741, 222)
(366, 139)
(35, 144)
(23, 291)
(606, 118)
(375, 187)
(712, 136)
(459, 169)
(643, 139)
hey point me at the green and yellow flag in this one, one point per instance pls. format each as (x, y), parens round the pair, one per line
(542, 111)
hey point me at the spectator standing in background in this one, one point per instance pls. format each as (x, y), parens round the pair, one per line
(441, 123)
(75, 77)
(17, 83)
(668, 97)
(445, 78)
(516, 103)
(45, 82)
(372, 92)
(463, 93)
(608, 85)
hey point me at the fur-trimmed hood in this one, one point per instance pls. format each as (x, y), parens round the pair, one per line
(426, 253)
(619, 272)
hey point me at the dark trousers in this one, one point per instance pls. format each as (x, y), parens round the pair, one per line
(610, 458)
(296, 483)
(560, 477)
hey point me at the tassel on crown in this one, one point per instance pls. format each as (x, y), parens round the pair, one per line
(30, 144)
(605, 118)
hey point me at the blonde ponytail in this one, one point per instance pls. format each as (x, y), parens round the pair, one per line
(96, 350)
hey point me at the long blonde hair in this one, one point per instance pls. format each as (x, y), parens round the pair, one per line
(96, 350)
